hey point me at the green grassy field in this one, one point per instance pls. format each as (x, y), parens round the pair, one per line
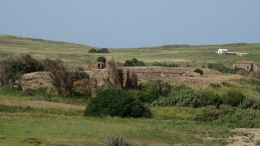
(35, 124)
(168, 127)
(75, 54)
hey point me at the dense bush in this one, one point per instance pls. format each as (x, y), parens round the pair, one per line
(115, 78)
(101, 59)
(116, 102)
(230, 116)
(12, 70)
(61, 78)
(131, 80)
(170, 64)
(134, 62)
(222, 68)
(218, 66)
(233, 98)
(103, 50)
(152, 90)
(24, 64)
(185, 96)
(199, 71)
(251, 81)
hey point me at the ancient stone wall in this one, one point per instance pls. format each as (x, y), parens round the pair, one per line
(177, 75)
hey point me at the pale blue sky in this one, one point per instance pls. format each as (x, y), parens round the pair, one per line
(133, 23)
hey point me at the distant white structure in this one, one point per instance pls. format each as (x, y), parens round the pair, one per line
(222, 51)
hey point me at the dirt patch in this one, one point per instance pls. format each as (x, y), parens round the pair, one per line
(243, 137)
(42, 104)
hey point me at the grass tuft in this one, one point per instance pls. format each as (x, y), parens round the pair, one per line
(257, 141)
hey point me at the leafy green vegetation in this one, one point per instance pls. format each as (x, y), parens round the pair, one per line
(220, 67)
(101, 59)
(116, 102)
(134, 62)
(170, 64)
(230, 116)
(152, 90)
(103, 50)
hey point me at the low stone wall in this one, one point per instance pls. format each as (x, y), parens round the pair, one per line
(35, 80)
(177, 75)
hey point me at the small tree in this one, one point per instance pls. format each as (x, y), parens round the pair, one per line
(6, 75)
(115, 75)
(62, 79)
(13, 69)
(92, 50)
(131, 80)
(101, 59)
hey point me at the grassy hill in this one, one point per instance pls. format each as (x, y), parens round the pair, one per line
(55, 120)
(77, 54)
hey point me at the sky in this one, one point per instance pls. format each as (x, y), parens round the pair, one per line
(133, 23)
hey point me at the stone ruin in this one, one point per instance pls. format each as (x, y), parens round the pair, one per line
(177, 75)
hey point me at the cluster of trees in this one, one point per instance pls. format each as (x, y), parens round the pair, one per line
(103, 50)
(12, 69)
(134, 62)
(64, 81)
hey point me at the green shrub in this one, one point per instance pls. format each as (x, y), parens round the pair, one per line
(250, 103)
(208, 114)
(170, 64)
(233, 98)
(134, 62)
(24, 64)
(116, 102)
(152, 90)
(131, 80)
(177, 97)
(12, 70)
(101, 59)
(103, 50)
(219, 67)
(183, 96)
(199, 71)
(230, 117)
(257, 141)
(92, 50)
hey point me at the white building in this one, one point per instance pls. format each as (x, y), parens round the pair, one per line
(222, 51)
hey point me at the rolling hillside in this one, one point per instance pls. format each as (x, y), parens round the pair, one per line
(77, 54)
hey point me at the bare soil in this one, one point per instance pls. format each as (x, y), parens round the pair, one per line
(243, 137)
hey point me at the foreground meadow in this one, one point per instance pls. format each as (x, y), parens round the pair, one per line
(53, 126)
